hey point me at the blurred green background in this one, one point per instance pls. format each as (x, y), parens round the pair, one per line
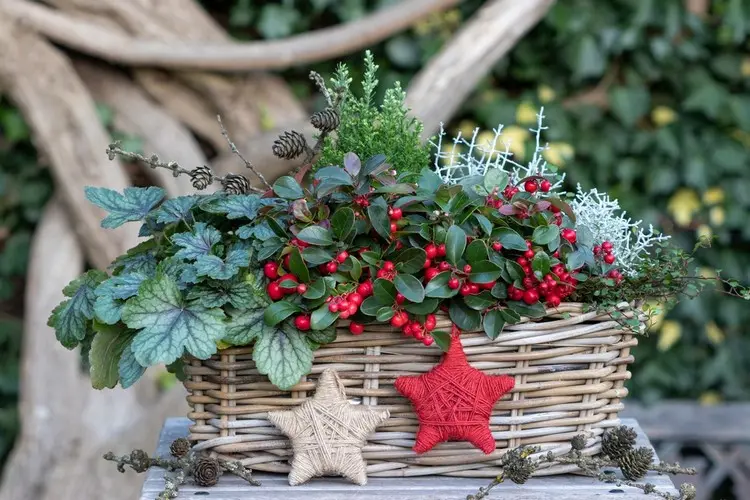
(643, 99)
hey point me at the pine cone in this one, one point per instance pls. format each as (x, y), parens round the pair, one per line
(201, 177)
(289, 145)
(325, 120)
(618, 441)
(635, 463)
(179, 447)
(687, 491)
(235, 184)
(518, 468)
(139, 460)
(206, 471)
(578, 442)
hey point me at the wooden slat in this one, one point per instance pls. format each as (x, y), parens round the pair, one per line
(275, 486)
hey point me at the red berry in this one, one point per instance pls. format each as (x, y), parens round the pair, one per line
(554, 209)
(607, 246)
(400, 299)
(342, 256)
(474, 288)
(429, 322)
(453, 283)
(428, 340)
(286, 262)
(609, 258)
(356, 298)
(427, 264)
(530, 186)
(274, 291)
(441, 250)
(399, 319)
(333, 307)
(431, 273)
(302, 322)
(344, 304)
(569, 234)
(530, 296)
(352, 309)
(467, 268)
(444, 266)
(543, 287)
(365, 289)
(271, 270)
(597, 249)
(497, 246)
(356, 328)
(301, 288)
(545, 186)
(344, 314)
(332, 267)
(514, 293)
(529, 254)
(382, 273)
(529, 244)
(522, 261)
(395, 213)
(394, 227)
(553, 300)
(388, 265)
(465, 290)
(399, 245)
(556, 254)
(527, 269)
(528, 283)
(431, 250)
(488, 286)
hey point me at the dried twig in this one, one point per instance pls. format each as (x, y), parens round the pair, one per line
(237, 152)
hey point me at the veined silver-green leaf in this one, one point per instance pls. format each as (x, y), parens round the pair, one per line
(129, 369)
(169, 326)
(196, 243)
(71, 317)
(176, 209)
(239, 293)
(245, 326)
(106, 350)
(222, 269)
(111, 295)
(283, 355)
(132, 205)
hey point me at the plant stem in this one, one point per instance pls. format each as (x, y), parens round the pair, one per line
(236, 151)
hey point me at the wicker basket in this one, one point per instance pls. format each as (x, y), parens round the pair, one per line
(569, 369)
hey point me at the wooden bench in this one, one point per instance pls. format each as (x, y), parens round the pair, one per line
(274, 486)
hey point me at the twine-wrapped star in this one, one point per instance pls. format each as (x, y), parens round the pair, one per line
(328, 433)
(454, 401)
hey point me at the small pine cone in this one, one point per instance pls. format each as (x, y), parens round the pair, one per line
(518, 467)
(206, 471)
(201, 177)
(618, 441)
(235, 184)
(139, 460)
(578, 442)
(179, 447)
(289, 145)
(687, 491)
(635, 463)
(325, 120)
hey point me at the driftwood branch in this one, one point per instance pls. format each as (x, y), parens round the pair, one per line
(275, 54)
(443, 85)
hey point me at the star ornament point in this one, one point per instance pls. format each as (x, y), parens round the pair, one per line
(454, 401)
(327, 433)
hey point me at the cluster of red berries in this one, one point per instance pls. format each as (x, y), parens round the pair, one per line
(333, 266)
(420, 331)
(606, 250)
(347, 304)
(532, 185)
(274, 289)
(395, 214)
(553, 287)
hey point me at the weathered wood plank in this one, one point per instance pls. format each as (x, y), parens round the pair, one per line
(275, 486)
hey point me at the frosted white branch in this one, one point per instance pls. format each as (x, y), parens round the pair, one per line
(608, 222)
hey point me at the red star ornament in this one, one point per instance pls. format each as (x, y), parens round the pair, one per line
(454, 401)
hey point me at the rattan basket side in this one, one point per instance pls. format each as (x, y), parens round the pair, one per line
(569, 368)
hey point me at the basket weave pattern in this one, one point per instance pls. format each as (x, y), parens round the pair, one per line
(569, 370)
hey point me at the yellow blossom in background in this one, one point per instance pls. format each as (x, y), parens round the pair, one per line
(713, 196)
(466, 127)
(485, 139)
(717, 216)
(704, 231)
(546, 93)
(166, 380)
(663, 116)
(656, 313)
(670, 333)
(515, 137)
(449, 155)
(745, 68)
(714, 333)
(710, 398)
(526, 113)
(558, 153)
(266, 120)
(707, 272)
(683, 204)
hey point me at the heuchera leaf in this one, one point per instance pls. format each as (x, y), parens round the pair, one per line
(133, 205)
(106, 350)
(176, 209)
(238, 206)
(139, 259)
(260, 231)
(245, 326)
(239, 293)
(71, 317)
(197, 242)
(222, 269)
(283, 355)
(111, 295)
(169, 326)
(129, 369)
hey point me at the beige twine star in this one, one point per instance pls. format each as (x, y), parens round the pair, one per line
(328, 433)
